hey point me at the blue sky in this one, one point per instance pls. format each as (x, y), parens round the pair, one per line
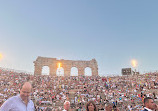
(112, 31)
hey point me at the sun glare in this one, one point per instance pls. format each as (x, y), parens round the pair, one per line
(1, 56)
(134, 63)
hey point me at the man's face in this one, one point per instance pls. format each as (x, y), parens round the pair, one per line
(151, 104)
(25, 93)
(67, 106)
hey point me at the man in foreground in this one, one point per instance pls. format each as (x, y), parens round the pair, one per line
(149, 104)
(20, 102)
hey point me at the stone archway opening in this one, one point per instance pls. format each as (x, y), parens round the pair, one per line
(88, 71)
(74, 71)
(60, 71)
(45, 70)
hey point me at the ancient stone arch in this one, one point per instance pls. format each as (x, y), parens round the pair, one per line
(52, 63)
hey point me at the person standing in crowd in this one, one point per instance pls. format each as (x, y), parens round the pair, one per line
(91, 106)
(66, 106)
(149, 104)
(110, 107)
(20, 102)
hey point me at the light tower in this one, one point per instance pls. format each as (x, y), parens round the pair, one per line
(134, 64)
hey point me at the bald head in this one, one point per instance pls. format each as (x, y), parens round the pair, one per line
(66, 105)
(25, 91)
(27, 85)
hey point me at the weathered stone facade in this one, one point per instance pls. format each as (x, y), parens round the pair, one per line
(52, 63)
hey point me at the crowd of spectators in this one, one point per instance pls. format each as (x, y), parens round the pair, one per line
(49, 93)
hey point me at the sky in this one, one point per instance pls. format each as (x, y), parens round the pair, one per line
(112, 31)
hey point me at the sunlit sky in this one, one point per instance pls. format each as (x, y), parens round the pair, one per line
(112, 31)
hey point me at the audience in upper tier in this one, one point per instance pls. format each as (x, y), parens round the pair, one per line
(126, 93)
